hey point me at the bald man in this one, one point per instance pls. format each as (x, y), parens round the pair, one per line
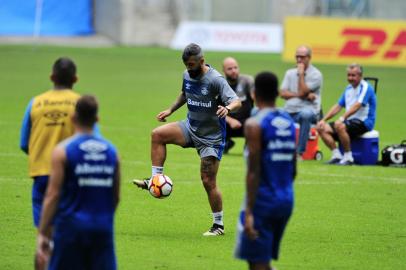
(243, 86)
(301, 88)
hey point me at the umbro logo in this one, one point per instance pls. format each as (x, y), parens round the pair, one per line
(94, 150)
(55, 115)
(282, 126)
(93, 146)
(187, 86)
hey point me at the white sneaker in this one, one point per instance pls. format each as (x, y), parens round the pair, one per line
(215, 230)
(346, 162)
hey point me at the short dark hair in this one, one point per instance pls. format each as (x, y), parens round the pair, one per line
(64, 71)
(266, 86)
(86, 110)
(192, 50)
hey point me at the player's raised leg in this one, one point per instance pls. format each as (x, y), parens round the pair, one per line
(208, 171)
(170, 133)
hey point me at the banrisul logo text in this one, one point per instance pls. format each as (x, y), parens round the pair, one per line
(198, 103)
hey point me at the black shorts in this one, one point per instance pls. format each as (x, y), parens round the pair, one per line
(355, 128)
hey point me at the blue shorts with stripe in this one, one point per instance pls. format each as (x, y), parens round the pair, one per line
(204, 147)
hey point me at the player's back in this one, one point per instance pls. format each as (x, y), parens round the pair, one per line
(277, 160)
(87, 200)
(50, 118)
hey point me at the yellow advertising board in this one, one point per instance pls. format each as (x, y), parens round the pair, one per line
(342, 41)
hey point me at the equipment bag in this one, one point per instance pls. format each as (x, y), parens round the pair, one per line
(394, 155)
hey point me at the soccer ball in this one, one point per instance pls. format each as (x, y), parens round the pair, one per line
(160, 186)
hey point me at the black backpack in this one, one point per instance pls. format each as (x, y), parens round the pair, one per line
(394, 155)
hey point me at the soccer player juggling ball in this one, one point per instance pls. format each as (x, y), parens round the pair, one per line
(209, 100)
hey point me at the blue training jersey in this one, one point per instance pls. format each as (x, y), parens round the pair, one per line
(364, 94)
(87, 198)
(275, 189)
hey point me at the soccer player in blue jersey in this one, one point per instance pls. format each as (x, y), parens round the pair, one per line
(270, 138)
(209, 99)
(359, 101)
(83, 194)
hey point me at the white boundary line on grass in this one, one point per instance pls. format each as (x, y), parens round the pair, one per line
(395, 180)
(363, 178)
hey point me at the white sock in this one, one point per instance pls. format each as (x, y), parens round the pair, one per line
(337, 154)
(218, 218)
(157, 170)
(348, 156)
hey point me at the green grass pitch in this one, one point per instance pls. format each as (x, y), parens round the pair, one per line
(344, 218)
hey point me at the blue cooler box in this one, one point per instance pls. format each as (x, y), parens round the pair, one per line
(365, 149)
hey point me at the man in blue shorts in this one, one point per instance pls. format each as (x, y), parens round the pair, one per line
(270, 138)
(83, 191)
(359, 101)
(209, 99)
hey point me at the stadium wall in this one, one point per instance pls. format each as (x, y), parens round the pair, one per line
(46, 18)
(136, 22)
(153, 22)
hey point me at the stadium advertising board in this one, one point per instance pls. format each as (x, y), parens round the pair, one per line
(343, 41)
(219, 36)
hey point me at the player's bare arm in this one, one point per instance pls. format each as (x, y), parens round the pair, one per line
(116, 188)
(50, 203)
(180, 101)
(252, 133)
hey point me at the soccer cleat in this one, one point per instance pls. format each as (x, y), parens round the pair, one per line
(215, 230)
(143, 184)
(333, 161)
